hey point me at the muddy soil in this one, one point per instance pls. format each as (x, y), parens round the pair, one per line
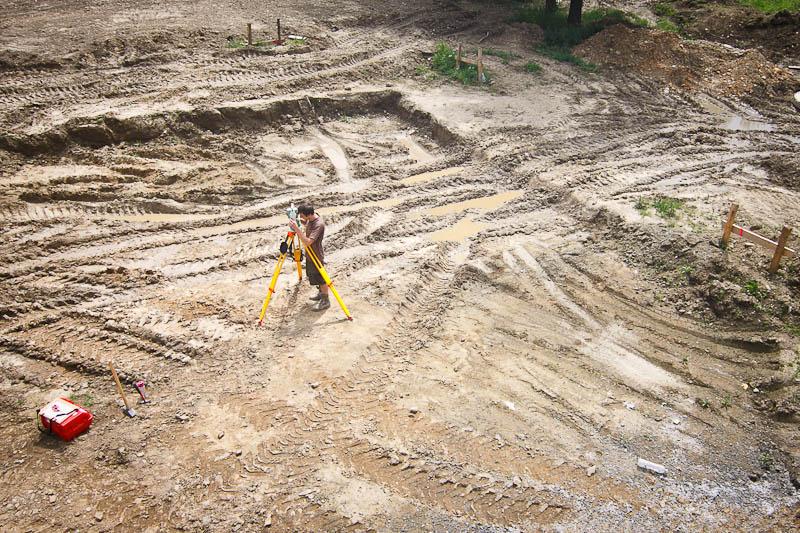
(527, 322)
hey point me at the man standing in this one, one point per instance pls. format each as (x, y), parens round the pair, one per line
(312, 238)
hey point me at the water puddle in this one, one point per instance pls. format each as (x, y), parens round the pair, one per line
(739, 123)
(464, 228)
(428, 176)
(415, 150)
(734, 121)
(486, 203)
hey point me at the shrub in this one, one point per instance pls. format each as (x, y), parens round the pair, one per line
(533, 67)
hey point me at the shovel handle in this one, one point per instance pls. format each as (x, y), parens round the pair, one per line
(119, 385)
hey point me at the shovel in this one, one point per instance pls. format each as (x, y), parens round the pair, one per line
(127, 410)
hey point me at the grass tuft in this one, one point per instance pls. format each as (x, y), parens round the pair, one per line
(755, 290)
(533, 67)
(83, 399)
(664, 10)
(564, 55)
(664, 206)
(237, 42)
(667, 25)
(502, 54)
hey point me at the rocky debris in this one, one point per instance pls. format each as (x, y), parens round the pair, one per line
(122, 456)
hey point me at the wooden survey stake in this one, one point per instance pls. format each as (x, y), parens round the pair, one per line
(726, 230)
(249, 34)
(778, 248)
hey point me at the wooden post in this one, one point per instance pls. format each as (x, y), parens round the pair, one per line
(480, 65)
(726, 231)
(279, 30)
(249, 34)
(776, 257)
(458, 57)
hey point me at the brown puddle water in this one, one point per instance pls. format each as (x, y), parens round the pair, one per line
(486, 203)
(466, 227)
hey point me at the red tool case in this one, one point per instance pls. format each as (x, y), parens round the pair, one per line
(64, 419)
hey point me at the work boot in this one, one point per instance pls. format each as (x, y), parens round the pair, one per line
(324, 303)
(317, 297)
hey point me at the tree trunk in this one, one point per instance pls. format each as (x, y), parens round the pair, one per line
(550, 5)
(575, 8)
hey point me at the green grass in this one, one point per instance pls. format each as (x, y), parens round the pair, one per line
(444, 62)
(533, 67)
(294, 42)
(238, 41)
(664, 206)
(773, 6)
(560, 37)
(726, 401)
(667, 25)
(502, 54)
(667, 207)
(664, 10)
(766, 461)
(755, 290)
(564, 55)
(557, 33)
(84, 399)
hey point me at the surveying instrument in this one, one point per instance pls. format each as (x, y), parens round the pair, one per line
(293, 245)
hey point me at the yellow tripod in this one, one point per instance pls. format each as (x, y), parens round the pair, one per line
(287, 246)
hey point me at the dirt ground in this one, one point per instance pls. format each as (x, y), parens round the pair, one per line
(525, 326)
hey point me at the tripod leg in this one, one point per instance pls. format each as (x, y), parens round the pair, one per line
(272, 284)
(297, 254)
(328, 281)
